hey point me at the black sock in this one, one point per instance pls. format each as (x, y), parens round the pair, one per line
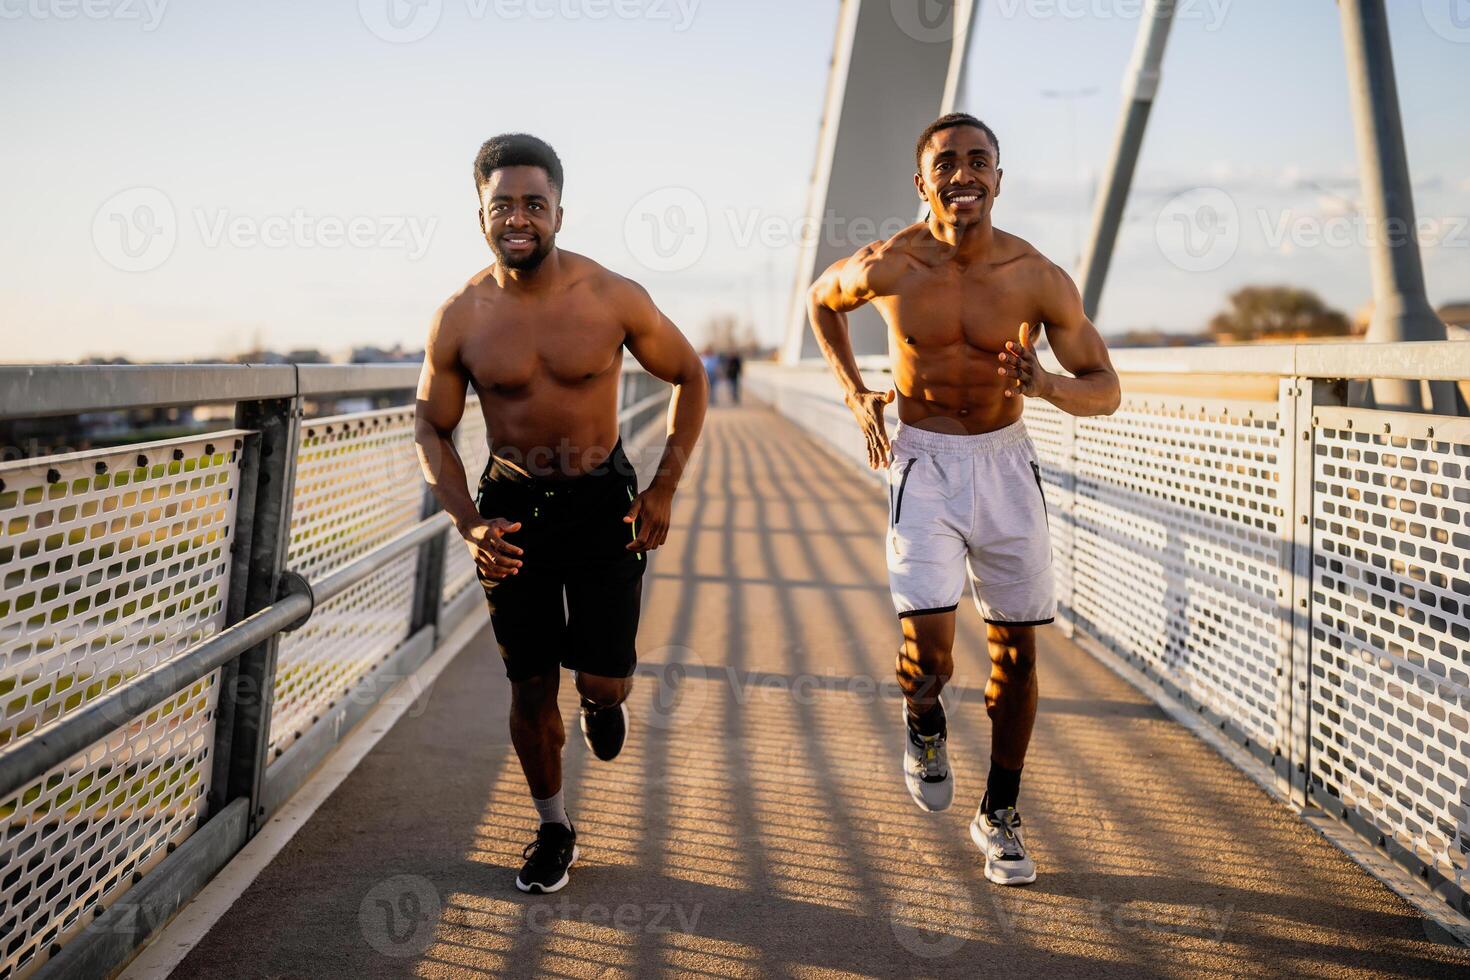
(1001, 789)
(930, 722)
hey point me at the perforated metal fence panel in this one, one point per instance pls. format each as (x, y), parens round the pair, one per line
(1051, 431)
(358, 483)
(115, 562)
(474, 450)
(1390, 686)
(1178, 554)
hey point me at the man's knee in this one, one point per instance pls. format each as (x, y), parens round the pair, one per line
(604, 692)
(533, 699)
(1013, 649)
(927, 659)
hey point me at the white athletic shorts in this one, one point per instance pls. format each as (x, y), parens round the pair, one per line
(969, 503)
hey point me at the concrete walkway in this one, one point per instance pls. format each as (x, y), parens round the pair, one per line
(757, 825)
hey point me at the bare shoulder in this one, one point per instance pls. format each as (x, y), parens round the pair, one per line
(458, 311)
(614, 291)
(879, 265)
(1044, 276)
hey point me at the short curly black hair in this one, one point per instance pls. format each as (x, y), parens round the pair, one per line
(950, 121)
(517, 150)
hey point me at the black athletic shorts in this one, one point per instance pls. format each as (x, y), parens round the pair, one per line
(575, 600)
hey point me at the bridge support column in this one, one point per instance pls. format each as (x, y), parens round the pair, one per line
(896, 66)
(1401, 310)
(1139, 88)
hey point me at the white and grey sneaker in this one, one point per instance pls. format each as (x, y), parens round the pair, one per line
(998, 835)
(926, 770)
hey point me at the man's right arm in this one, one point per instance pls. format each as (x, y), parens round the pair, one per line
(844, 287)
(437, 411)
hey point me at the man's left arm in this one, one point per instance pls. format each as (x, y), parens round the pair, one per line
(666, 354)
(1093, 387)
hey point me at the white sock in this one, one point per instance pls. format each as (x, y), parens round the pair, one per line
(552, 810)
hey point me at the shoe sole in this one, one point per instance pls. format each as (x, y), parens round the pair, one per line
(582, 723)
(535, 888)
(978, 836)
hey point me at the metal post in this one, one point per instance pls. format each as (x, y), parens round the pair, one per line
(1294, 637)
(1139, 88)
(429, 578)
(1401, 311)
(243, 727)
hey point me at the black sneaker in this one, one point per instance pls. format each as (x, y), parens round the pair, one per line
(547, 859)
(604, 730)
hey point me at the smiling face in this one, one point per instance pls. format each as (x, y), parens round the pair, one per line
(958, 176)
(520, 214)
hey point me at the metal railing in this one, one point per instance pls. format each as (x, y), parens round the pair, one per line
(190, 626)
(1291, 566)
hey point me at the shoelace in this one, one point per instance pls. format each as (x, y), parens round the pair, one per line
(929, 756)
(1008, 823)
(534, 849)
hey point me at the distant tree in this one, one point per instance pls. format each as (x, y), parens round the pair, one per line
(1277, 313)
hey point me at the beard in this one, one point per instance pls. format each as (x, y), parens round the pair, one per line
(525, 262)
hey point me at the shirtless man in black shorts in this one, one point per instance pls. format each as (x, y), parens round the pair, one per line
(558, 529)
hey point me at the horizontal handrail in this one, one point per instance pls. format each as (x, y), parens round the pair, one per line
(72, 733)
(32, 391)
(335, 583)
(1433, 360)
(38, 390)
(64, 738)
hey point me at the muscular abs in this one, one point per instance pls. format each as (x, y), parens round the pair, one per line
(547, 376)
(946, 330)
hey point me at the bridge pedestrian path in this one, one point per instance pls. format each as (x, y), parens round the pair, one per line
(756, 824)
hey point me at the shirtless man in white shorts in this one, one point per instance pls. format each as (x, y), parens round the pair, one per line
(963, 301)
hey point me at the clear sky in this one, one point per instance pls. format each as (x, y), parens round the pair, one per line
(182, 177)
